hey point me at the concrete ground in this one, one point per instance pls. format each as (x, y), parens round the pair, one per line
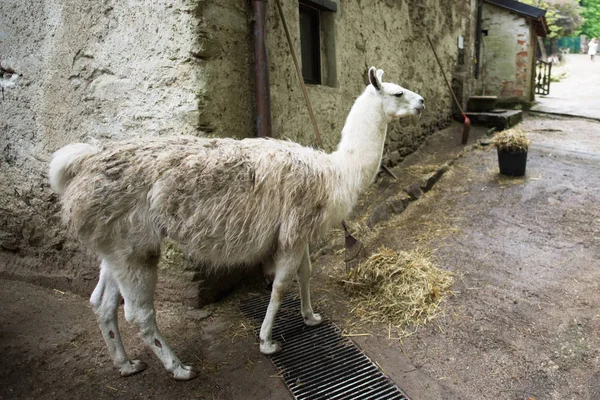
(579, 93)
(523, 319)
(522, 322)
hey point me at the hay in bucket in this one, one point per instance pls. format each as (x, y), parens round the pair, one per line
(401, 289)
(513, 140)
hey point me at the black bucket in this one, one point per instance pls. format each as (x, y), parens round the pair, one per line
(512, 163)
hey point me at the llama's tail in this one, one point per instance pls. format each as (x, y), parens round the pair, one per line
(63, 166)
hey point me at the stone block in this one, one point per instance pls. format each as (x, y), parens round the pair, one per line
(397, 204)
(394, 136)
(395, 157)
(500, 119)
(481, 103)
(380, 213)
(414, 191)
(433, 178)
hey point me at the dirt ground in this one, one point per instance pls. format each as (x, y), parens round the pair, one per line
(522, 321)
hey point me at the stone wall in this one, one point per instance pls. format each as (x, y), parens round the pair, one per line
(390, 35)
(506, 56)
(111, 70)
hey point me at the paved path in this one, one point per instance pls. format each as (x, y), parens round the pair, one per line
(579, 93)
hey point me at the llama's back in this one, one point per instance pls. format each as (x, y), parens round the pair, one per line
(64, 164)
(227, 201)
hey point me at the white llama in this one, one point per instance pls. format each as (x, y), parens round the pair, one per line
(226, 201)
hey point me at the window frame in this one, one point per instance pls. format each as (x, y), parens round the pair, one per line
(322, 5)
(314, 57)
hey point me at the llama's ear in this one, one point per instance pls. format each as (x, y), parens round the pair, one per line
(380, 75)
(375, 78)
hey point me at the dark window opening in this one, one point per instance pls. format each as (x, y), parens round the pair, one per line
(310, 44)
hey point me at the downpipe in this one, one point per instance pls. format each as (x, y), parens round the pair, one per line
(261, 69)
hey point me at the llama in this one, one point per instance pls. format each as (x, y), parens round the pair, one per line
(226, 201)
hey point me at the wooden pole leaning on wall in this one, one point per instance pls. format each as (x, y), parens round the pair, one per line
(299, 73)
(467, 121)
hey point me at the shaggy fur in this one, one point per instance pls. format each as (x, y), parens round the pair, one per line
(226, 201)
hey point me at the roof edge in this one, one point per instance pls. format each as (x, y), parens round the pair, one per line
(520, 8)
(535, 13)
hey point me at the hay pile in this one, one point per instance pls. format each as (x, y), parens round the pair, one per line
(513, 140)
(400, 289)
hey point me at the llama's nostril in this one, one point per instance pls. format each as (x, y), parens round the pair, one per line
(422, 101)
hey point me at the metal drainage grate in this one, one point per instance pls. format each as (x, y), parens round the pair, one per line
(317, 362)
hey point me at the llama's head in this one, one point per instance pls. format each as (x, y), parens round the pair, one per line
(397, 102)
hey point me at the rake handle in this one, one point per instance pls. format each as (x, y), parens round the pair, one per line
(446, 79)
(299, 73)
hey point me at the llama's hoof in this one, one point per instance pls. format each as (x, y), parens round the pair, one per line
(184, 373)
(132, 367)
(268, 348)
(313, 319)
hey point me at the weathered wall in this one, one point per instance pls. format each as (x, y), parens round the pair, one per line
(388, 34)
(506, 71)
(91, 70)
(109, 70)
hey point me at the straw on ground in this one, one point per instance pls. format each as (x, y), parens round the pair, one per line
(401, 289)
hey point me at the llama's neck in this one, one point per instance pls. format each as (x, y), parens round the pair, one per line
(358, 156)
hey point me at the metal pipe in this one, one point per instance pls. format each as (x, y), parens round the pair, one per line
(261, 69)
(478, 37)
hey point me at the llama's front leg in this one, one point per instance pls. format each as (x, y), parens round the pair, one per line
(105, 301)
(137, 284)
(304, 273)
(286, 265)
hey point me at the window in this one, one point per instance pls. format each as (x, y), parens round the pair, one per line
(316, 41)
(310, 44)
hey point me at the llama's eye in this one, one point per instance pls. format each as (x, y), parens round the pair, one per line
(399, 94)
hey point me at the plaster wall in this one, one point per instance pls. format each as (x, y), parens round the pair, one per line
(390, 35)
(506, 56)
(91, 71)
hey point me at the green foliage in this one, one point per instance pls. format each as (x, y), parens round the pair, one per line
(563, 18)
(591, 16)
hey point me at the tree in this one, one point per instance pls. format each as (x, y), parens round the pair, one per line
(563, 18)
(568, 19)
(591, 18)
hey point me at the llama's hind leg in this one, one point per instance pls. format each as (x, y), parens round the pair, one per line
(105, 301)
(286, 266)
(137, 281)
(304, 272)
